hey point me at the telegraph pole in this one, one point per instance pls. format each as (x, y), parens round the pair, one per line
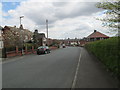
(47, 30)
(20, 19)
(22, 35)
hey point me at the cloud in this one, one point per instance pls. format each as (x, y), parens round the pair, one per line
(38, 12)
(0, 13)
(66, 19)
(74, 9)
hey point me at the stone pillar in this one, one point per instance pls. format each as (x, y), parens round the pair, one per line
(4, 53)
(17, 51)
(32, 49)
(26, 49)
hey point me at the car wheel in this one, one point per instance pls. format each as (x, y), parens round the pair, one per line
(37, 53)
(45, 52)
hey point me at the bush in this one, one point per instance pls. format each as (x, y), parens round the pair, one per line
(29, 46)
(107, 51)
(8, 49)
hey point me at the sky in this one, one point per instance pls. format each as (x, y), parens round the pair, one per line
(66, 19)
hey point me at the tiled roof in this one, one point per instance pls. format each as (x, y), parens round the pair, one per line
(96, 34)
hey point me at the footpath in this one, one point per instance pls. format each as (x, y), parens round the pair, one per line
(93, 74)
(14, 55)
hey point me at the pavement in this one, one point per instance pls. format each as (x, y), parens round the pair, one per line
(93, 74)
(71, 67)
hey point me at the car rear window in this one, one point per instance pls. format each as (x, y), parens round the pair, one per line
(43, 47)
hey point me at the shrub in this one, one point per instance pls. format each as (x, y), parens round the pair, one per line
(8, 49)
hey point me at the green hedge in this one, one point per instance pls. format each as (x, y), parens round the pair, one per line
(8, 49)
(108, 52)
(29, 46)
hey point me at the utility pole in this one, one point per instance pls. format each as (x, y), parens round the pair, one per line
(21, 18)
(47, 30)
(22, 35)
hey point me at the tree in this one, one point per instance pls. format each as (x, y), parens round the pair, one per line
(113, 13)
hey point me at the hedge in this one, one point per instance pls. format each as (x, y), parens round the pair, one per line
(8, 49)
(108, 53)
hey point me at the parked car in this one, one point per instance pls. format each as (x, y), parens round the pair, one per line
(43, 50)
(64, 46)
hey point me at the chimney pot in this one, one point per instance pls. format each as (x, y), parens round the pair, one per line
(95, 30)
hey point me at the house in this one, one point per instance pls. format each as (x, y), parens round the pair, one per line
(1, 39)
(96, 36)
(49, 41)
(93, 37)
(83, 41)
(70, 42)
(39, 38)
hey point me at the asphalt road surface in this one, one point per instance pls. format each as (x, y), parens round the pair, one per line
(54, 70)
(62, 68)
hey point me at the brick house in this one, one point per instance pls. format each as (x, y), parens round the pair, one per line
(1, 39)
(39, 38)
(49, 41)
(96, 36)
(83, 41)
(93, 37)
(70, 42)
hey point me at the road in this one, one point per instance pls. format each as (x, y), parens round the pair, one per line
(62, 68)
(56, 69)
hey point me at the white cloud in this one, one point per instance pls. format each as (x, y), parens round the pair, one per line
(0, 13)
(4, 14)
(60, 0)
(66, 19)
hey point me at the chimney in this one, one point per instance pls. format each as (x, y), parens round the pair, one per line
(95, 30)
(21, 26)
(36, 31)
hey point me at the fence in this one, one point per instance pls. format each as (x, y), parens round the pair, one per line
(6, 53)
(18, 51)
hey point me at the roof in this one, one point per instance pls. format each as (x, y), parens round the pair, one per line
(97, 34)
(40, 35)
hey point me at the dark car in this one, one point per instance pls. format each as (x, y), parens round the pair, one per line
(64, 46)
(43, 50)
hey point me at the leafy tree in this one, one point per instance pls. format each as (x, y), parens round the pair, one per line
(113, 13)
(11, 39)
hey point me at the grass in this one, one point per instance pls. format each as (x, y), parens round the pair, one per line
(108, 52)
